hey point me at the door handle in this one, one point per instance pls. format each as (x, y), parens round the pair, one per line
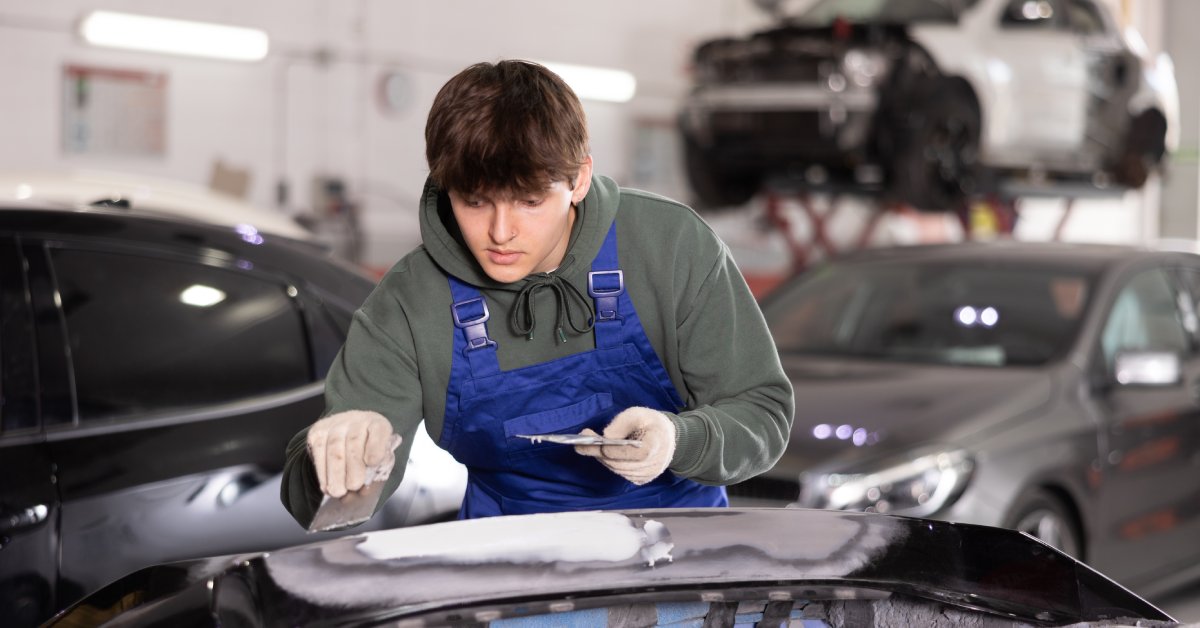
(20, 519)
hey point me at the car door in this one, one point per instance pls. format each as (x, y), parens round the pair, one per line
(28, 500)
(1149, 484)
(1039, 73)
(189, 373)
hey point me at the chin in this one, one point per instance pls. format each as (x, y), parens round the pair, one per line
(506, 274)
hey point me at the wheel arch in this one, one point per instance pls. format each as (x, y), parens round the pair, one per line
(1069, 500)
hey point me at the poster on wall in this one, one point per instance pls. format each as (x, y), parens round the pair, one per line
(114, 112)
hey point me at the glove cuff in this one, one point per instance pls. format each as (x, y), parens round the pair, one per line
(690, 436)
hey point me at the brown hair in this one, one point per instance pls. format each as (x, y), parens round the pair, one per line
(513, 126)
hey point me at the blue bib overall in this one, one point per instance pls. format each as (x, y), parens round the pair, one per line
(486, 408)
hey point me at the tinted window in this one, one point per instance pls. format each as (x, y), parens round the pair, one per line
(154, 334)
(18, 382)
(897, 11)
(1189, 304)
(949, 313)
(1144, 317)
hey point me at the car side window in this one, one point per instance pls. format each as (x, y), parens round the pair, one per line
(1084, 17)
(149, 335)
(1189, 303)
(18, 379)
(1030, 14)
(1144, 317)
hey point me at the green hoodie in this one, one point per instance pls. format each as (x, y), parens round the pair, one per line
(693, 303)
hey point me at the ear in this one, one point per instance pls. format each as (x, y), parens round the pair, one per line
(583, 181)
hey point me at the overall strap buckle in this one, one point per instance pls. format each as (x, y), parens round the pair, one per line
(605, 286)
(471, 316)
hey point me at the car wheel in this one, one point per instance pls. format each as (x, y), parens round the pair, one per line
(1046, 516)
(714, 187)
(936, 152)
(1143, 150)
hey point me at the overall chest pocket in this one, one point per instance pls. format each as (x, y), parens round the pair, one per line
(570, 419)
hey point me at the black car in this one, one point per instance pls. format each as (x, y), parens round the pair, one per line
(152, 371)
(710, 567)
(1046, 387)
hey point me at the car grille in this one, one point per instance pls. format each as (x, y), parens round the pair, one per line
(777, 60)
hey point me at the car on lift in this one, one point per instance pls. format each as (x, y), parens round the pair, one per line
(712, 567)
(1045, 387)
(928, 102)
(152, 371)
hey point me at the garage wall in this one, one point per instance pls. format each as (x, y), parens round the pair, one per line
(1181, 195)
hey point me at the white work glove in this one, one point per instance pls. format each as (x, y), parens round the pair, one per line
(352, 449)
(636, 464)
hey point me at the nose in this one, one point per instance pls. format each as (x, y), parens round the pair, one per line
(503, 228)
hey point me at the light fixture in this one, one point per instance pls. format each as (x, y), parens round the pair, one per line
(182, 37)
(592, 83)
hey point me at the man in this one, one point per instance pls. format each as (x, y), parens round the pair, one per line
(546, 299)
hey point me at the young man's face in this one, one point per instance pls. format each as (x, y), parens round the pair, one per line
(513, 234)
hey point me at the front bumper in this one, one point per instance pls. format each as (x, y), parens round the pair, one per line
(774, 124)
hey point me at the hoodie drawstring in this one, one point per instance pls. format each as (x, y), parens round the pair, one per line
(521, 317)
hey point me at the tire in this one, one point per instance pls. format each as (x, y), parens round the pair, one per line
(1143, 150)
(934, 162)
(1046, 516)
(715, 188)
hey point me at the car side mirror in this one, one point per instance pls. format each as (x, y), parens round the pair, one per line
(1147, 368)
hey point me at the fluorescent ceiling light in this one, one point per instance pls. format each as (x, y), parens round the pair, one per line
(591, 83)
(156, 34)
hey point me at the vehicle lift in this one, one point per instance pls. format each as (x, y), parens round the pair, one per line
(1002, 211)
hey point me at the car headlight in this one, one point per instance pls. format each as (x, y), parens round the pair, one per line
(864, 68)
(917, 487)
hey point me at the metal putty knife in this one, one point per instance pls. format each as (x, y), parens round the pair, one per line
(578, 439)
(353, 508)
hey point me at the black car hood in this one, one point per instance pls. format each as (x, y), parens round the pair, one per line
(485, 569)
(854, 413)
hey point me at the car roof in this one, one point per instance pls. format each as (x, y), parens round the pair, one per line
(580, 555)
(186, 200)
(303, 260)
(1084, 256)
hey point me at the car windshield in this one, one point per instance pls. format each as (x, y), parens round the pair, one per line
(960, 313)
(824, 12)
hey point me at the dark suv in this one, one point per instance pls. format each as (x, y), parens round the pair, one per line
(152, 371)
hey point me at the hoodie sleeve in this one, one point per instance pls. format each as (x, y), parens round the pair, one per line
(375, 370)
(742, 405)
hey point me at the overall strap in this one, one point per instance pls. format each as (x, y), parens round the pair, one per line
(606, 285)
(470, 314)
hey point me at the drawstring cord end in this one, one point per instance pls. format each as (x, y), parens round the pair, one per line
(561, 337)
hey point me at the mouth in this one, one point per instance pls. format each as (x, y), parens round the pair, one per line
(503, 257)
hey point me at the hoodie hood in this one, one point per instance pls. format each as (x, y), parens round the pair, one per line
(440, 235)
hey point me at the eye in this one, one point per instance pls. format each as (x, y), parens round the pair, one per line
(533, 202)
